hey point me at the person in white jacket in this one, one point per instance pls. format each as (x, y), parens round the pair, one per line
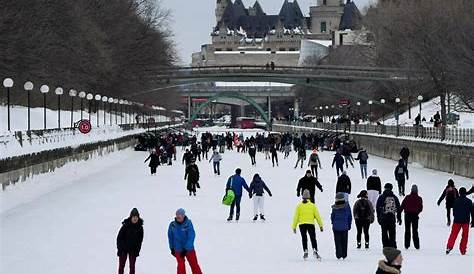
(216, 159)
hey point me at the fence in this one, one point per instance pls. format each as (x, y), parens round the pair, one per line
(453, 135)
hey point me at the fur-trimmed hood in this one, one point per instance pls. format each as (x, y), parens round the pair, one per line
(386, 268)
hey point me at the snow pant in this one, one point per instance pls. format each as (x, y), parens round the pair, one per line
(389, 235)
(235, 204)
(373, 197)
(252, 159)
(123, 260)
(362, 226)
(192, 260)
(363, 171)
(170, 160)
(217, 167)
(339, 168)
(274, 159)
(153, 170)
(401, 186)
(348, 159)
(297, 161)
(454, 235)
(309, 229)
(314, 170)
(411, 227)
(340, 240)
(258, 205)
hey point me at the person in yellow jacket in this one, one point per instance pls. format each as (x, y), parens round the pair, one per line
(305, 214)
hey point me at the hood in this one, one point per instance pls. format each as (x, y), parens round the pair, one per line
(128, 221)
(388, 268)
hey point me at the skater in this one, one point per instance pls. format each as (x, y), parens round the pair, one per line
(413, 206)
(274, 152)
(258, 188)
(192, 175)
(341, 218)
(154, 161)
(339, 161)
(187, 158)
(252, 153)
(236, 183)
(314, 162)
(181, 236)
(364, 216)
(388, 213)
(400, 172)
(343, 185)
(308, 182)
(346, 152)
(450, 193)
(287, 149)
(216, 159)
(301, 156)
(374, 187)
(405, 153)
(362, 158)
(463, 210)
(129, 241)
(305, 214)
(393, 262)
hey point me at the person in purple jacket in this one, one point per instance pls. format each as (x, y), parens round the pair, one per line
(341, 219)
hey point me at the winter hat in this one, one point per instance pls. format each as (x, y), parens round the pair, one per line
(363, 193)
(344, 172)
(414, 189)
(462, 191)
(388, 186)
(391, 254)
(134, 212)
(340, 197)
(306, 194)
(308, 172)
(451, 183)
(374, 172)
(181, 212)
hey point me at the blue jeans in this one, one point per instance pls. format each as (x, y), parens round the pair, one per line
(217, 169)
(363, 170)
(235, 203)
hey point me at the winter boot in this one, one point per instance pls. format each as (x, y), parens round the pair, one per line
(230, 218)
(366, 245)
(359, 245)
(255, 218)
(448, 251)
(316, 254)
(262, 217)
(237, 217)
(305, 255)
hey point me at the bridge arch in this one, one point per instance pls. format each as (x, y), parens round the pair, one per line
(231, 95)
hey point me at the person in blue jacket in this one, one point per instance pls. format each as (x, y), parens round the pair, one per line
(341, 218)
(236, 183)
(339, 161)
(181, 241)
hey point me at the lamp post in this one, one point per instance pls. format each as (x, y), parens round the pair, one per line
(97, 98)
(28, 86)
(89, 98)
(382, 101)
(370, 111)
(44, 89)
(82, 95)
(104, 99)
(420, 99)
(111, 101)
(72, 93)
(116, 101)
(59, 91)
(121, 111)
(8, 83)
(397, 101)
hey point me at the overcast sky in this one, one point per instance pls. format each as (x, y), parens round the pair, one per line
(193, 20)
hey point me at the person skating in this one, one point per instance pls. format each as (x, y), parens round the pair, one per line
(413, 206)
(362, 157)
(256, 191)
(305, 214)
(364, 216)
(339, 162)
(181, 237)
(341, 219)
(392, 263)
(187, 158)
(274, 152)
(401, 172)
(463, 210)
(129, 241)
(301, 156)
(405, 153)
(236, 183)
(287, 149)
(374, 187)
(252, 153)
(192, 175)
(154, 159)
(344, 185)
(216, 159)
(388, 213)
(450, 193)
(308, 182)
(314, 162)
(346, 152)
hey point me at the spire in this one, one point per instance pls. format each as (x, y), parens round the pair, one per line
(258, 8)
(351, 17)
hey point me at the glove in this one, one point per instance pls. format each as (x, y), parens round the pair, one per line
(173, 253)
(297, 194)
(321, 229)
(400, 222)
(183, 253)
(294, 230)
(438, 203)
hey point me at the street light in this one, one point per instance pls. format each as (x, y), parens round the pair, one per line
(82, 95)
(72, 93)
(28, 86)
(382, 101)
(104, 99)
(370, 111)
(397, 101)
(97, 98)
(420, 99)
(121, 111)
(44, 89)
(8, 83)
(116, 101)
(111, 100)
(89, 98)
(59, 91)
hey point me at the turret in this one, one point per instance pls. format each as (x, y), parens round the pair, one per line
(221, 5)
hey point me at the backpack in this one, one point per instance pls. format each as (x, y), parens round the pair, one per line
(364, 156)
(390, 206)
(314, 158)
(229, 195)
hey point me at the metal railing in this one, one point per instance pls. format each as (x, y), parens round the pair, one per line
(452, 135)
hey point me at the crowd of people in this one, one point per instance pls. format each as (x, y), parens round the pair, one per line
(372, 204)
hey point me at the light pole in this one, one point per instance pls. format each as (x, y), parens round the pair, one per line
(104, 99)
(370, 111)
(397, 118)
(82, 95)
(59, 91)
(121, 111)
(28, 86)
(89, 98)
(382, 101)
(420, 99)
(8, 83)
(97, 98)
(116, 101)
(111, 101)
(44, 89)
(72, 93)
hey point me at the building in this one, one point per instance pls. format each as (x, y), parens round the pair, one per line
(249, 36)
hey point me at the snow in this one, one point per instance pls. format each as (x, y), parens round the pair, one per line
(256, 52)
(251, 84)
(66, 221)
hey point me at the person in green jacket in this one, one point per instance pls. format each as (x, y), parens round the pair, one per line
(305, 214)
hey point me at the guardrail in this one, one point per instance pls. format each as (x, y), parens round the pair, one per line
(452, 135)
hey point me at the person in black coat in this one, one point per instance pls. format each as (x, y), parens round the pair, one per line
(374, 187)
(154, 159)
(343, 185)
(393, 262)
(339, 161)
(192, 175)
(450, 193)
(310, 183)
(364, 216)
(388, 213)
(129, 241)
(405, 153)
(401, 172)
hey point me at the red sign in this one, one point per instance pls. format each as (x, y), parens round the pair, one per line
(85, 126)
(344, 102)
(151, 121)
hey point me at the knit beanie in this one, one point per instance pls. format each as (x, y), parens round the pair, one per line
(414, 189)
(181, 212)
(340, 197)
(391, 254)
(134, 212)
(374, 172)
(363, 193)
(306, 194)
(388, 186)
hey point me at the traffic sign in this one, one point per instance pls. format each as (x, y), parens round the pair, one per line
(84, 126)
(344, 102)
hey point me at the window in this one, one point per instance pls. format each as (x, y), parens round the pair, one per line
(292, 49)
(325, 2)
(269, 49)
(323, 27)
(218, 49)
(229, 49)
(282, 49)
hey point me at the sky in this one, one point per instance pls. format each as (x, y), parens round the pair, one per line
(193, 20)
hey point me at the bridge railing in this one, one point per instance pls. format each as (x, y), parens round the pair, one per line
(452, 135)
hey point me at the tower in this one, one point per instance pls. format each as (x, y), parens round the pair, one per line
(221, 5)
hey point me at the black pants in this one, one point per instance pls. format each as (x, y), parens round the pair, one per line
(217, 168)
(310, 229)
(401, 186)
(411, 227)
(314, 170)
(341, 168)
(153, 170)
(235, 204)
(340, 240)
(274, 159)
(389, 235)
(252, 159)
(362, 226)
(448, 214)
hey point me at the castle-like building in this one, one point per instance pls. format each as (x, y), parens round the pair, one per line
(249, 36)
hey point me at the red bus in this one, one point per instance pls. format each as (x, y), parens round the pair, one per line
(245, 122)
